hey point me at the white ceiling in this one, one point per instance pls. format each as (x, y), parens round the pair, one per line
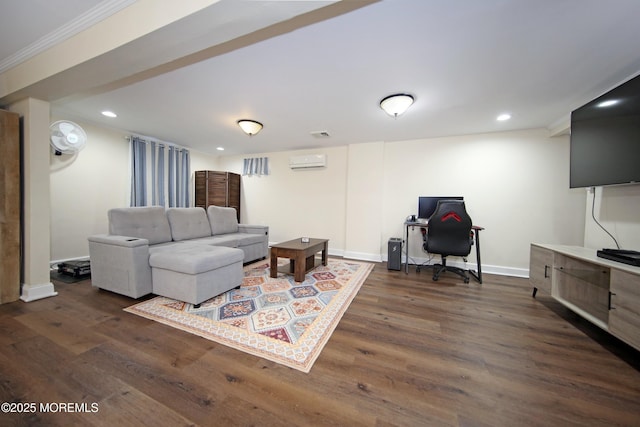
(24, 22)
(465, 62)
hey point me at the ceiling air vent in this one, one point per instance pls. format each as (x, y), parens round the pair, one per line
(320, 134)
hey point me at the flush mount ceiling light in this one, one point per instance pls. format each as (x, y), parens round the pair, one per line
(503, 117)
(250, 127)
(394, 105)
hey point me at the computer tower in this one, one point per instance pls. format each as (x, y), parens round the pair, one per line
(394, 254)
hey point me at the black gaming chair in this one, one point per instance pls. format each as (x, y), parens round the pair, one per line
(449, 233)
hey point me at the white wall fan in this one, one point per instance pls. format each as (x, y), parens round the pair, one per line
(66, 137)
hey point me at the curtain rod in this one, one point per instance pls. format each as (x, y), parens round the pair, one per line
(147, 139)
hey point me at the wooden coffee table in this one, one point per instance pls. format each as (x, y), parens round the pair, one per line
(302, 256)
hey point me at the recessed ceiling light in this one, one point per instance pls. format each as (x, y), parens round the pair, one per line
(503, 117)
(109, 114)
(608, 103)
(220, 148)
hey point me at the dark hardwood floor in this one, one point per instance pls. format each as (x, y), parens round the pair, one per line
(408, 352)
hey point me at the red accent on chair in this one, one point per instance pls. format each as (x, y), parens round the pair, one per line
(450, 215)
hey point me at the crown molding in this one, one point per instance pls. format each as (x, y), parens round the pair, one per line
(91, 17)
(561, 126)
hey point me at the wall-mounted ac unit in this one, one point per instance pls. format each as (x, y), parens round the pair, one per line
(308, 161)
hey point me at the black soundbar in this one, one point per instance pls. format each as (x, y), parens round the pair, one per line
(621, 255)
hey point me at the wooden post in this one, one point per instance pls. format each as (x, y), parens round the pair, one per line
(10, 205)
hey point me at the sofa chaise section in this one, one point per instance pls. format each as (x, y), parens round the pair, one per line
(196, 273)
(120, 260)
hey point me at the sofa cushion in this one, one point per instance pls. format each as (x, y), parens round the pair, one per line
(195, 260)
(188, 223)
(223, 220)
(245, 239)
(147, 222)
(228, 240)
(165, 247)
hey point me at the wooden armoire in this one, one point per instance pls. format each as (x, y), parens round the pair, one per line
(10, 207)
(219, 189)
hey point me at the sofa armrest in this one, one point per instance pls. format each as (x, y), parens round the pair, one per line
(253, 229)
(125, 241)
(259, 250)
(120, 264)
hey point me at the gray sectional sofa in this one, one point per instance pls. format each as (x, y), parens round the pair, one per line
(183, 253)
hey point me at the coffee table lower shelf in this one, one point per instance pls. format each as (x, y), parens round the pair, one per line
(302, 256)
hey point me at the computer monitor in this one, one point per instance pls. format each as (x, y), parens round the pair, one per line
(427, 205)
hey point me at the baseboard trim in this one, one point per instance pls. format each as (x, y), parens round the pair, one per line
(36, 292)
(486, 268)
(506, 271)
(362, 256)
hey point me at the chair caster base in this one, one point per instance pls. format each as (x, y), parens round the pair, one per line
(444, 268)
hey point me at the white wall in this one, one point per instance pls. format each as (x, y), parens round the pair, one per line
(86, 185)
(617, 209)
(365, 201)
(83, 187)
(296, 203)
(515, 185)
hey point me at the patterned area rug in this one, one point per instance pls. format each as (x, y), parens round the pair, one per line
(276, 319)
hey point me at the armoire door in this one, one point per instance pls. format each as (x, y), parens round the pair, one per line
(233, 192)
(217, 188)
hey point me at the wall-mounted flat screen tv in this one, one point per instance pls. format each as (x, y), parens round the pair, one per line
(605, 139)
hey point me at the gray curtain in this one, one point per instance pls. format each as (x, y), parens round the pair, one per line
(178, 177)
(256, 166)
(172, 176)
(150, 184)
(160, 178)
(183, 178)
(138, 172)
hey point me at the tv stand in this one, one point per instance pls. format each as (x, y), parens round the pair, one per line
(605, 292)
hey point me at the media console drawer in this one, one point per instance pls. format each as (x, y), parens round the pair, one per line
(541, 268)
(624, 316)
(582, 284)
(604, 292)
